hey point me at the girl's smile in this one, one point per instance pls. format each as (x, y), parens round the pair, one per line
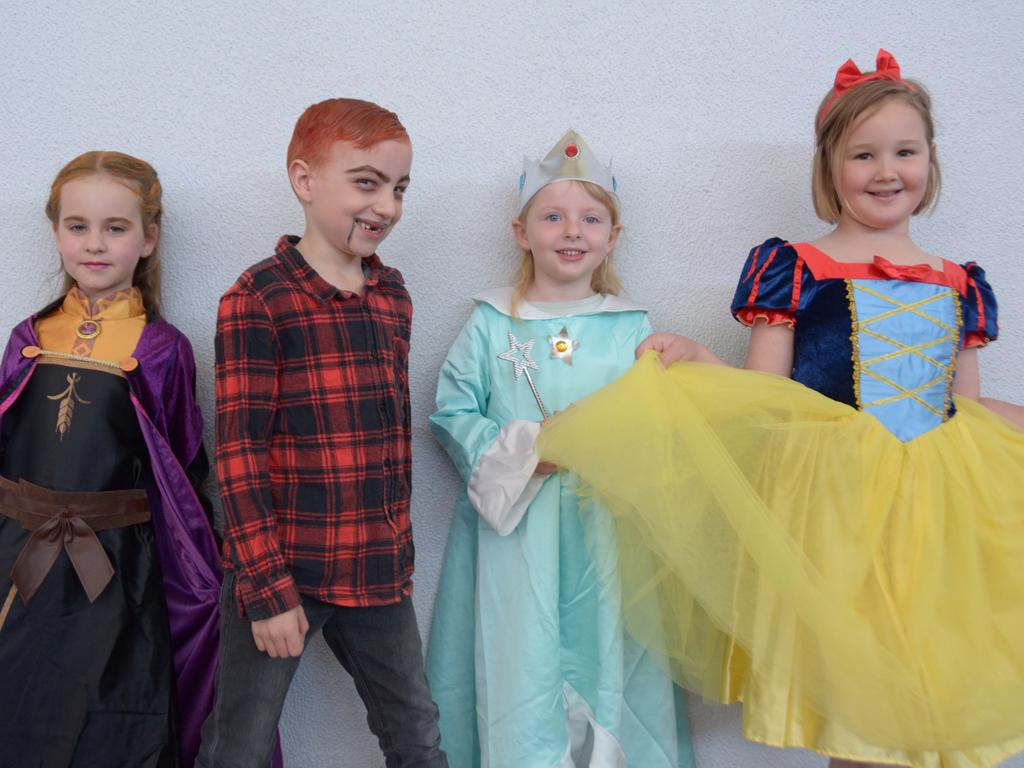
(569, 233)
(884, 168)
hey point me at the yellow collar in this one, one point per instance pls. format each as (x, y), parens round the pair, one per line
(119, 305)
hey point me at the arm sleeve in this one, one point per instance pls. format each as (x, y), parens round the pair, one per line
(246, 388)
(769, 285)
(497, 463)
(645, 330)
(980, 312)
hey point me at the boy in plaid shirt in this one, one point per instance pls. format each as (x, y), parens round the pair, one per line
(313, 452)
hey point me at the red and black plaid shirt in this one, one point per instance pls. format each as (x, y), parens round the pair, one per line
(313, 436)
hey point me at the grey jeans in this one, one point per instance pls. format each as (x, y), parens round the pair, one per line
(379, 646)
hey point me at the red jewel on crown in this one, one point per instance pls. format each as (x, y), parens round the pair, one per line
(571, 151)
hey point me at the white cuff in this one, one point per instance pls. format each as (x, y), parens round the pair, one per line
(503, 483)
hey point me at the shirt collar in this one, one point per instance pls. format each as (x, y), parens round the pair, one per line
(310, 280)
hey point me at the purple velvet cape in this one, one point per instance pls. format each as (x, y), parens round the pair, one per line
(163, 393)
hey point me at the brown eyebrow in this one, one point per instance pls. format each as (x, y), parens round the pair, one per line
(376, 172)
(907, 140)
(370, 169)
(75, 217)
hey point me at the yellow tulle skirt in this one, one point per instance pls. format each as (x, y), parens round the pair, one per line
(863, 597)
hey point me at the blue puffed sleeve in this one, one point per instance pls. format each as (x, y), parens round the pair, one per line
(980, 312)
(769, 285)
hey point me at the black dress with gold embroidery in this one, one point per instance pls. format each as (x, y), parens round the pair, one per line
(90, 682)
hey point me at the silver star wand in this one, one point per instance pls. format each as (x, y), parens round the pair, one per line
(519, 355)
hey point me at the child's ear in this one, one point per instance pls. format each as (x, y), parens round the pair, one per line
(519, 230)
(149, 243)
(613, 238)
(299, 174)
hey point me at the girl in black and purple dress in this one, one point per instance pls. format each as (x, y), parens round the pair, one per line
(108, 567)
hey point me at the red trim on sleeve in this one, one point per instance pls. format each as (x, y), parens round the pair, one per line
(753, 263)
(798, 275)
(981, 308)
(750, 315)
(752, 298)
(975, 339)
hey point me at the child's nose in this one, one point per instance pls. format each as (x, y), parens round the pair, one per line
(386, 205)
(94, 242)
(885, 168)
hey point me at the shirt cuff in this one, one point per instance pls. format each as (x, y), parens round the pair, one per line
(260, 599)
(504, 484)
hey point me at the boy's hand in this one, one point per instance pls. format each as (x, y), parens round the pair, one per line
(282, 635)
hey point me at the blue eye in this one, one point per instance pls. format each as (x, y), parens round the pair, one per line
(591, 220)
(552, 217)
(76, 228)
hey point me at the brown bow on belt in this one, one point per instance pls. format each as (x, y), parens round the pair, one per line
(69, 521)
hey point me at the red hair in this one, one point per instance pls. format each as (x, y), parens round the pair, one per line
(362, 123)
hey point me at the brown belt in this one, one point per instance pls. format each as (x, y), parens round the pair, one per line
(69, 521)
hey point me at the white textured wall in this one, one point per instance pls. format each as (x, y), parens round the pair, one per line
(706, 108)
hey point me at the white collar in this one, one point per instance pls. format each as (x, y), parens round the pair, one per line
(501, 300)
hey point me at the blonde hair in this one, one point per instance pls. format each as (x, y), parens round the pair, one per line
(835, 126)
(140, 177)
(604, 279)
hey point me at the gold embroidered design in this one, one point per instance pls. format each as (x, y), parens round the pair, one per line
(854, 342)
(903, 393)
(7, 605)
(119, 305)
(85, 362)
(864, 367)
(910, 350)
(955, 354)
(911, 307)
(66, 409)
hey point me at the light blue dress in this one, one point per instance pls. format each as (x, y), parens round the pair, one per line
(528, 660)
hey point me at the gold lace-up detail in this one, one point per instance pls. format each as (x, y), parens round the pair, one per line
(944, 372)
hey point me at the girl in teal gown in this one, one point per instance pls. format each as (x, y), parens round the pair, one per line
(528, 658)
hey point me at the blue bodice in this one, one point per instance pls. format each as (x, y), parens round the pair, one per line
(905, 340)
(881, 337)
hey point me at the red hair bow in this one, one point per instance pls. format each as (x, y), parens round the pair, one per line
(850, 76)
